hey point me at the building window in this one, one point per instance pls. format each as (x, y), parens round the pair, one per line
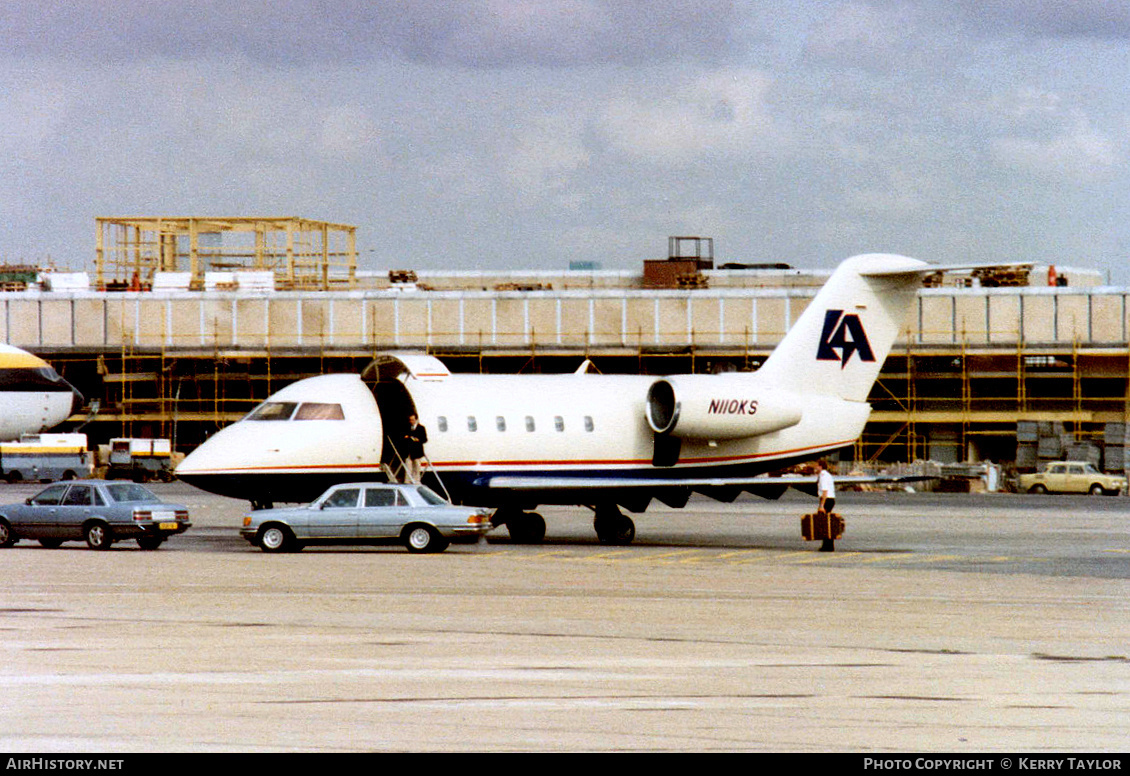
(530, 423)
(500, 422)
(589, 424)
(442, 423)
(559, 423)
(472, 424)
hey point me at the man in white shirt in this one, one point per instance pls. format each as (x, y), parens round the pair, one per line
(825, 487)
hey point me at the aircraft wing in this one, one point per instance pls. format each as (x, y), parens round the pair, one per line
(721, 488)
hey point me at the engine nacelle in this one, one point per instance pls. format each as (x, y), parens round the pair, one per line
(718, 407)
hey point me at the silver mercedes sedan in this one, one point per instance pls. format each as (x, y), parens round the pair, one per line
(97, 511)
(367, 513)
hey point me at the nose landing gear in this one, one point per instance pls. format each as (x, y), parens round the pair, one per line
(524, 527)
(613, 526)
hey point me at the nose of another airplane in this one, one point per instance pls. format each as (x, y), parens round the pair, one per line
(77, 399)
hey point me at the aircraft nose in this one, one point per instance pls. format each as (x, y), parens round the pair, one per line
(77, 400)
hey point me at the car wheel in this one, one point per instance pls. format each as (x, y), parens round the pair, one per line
(14, 477)
(423, 538)
(98, 536)
(7, 538)
(1097, 490)
(150, 542)
(1037, 489)
(277, 538)
(51, 544)
(69, 475)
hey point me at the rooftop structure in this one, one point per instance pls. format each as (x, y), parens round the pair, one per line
(130, 253)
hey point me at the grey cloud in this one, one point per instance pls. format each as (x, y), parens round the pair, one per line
(1054, 18)
(488, 33)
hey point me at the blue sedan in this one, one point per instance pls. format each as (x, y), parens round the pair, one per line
(96, 511)
(367, 513)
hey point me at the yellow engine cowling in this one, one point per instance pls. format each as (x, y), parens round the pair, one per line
(718, 407)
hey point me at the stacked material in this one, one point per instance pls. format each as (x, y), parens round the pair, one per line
(1115, 443)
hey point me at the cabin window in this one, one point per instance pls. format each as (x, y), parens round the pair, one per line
(589, 424)
(500, 422)
(472, 424)
(314, 411)
(559, 423)
(529, 423)
(441, 421)
(273, 410)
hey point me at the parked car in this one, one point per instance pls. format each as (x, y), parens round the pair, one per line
(367, 513)
(97, 511)
(1072, 477)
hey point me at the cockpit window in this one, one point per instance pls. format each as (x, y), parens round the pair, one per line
(273, 410)
(314, 411)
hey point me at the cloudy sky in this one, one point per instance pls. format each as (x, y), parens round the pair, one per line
(484, 134)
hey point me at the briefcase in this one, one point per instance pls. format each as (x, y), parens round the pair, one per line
(821, 526)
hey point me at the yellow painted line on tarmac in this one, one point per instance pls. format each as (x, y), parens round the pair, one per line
(906, 558)
(700, 558)
(606, 555)
(662, 556)
(740, 554)
(799, 557)
(775, 557)
(826, 556)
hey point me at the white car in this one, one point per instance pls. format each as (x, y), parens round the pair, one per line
(367, 513)
(1072, 477)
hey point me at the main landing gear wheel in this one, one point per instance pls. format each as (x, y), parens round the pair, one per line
(524, 527)
(613, 526)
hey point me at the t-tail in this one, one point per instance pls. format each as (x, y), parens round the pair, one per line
(841, 340)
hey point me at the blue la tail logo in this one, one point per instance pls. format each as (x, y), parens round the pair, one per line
(843, 333)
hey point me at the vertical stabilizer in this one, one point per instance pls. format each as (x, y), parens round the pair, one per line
(839, 343)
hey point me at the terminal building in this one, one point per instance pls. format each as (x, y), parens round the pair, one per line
(187, 323)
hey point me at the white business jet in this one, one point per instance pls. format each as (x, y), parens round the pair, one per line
(33, 397)
(602, 441)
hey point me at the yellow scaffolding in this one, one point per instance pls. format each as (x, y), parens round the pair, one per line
(302, 254)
